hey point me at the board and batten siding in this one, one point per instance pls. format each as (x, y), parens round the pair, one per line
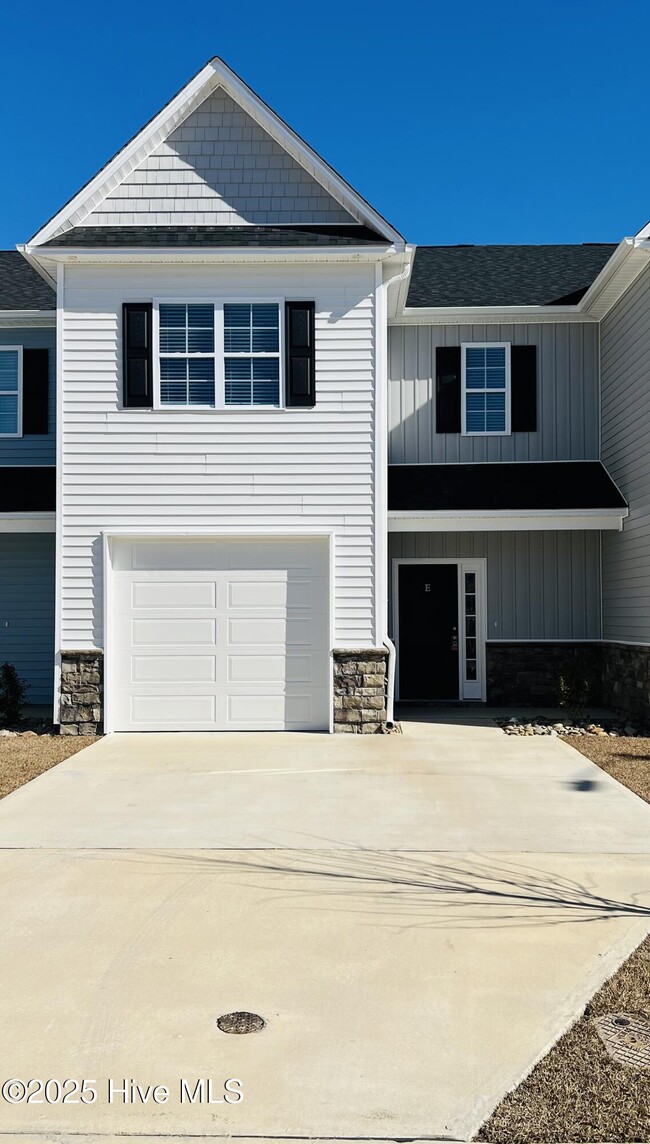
(38, 448)
(27, 609)
(219, 168)
(176, 469)
(625, 351)
(567, 395)
(540, 585)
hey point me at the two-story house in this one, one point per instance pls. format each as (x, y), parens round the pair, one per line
(302, 467)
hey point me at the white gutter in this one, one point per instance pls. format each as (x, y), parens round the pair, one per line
(381, 484)
(208, 254)
(531, 520)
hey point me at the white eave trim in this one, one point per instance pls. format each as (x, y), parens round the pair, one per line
(210, 254)
(626, 263)
(10, 319)
(532, 520)
(486, 315)
(214, 75)
(27, 521)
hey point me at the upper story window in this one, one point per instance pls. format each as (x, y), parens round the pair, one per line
(219, 355)
(11, 391)
(485, 388)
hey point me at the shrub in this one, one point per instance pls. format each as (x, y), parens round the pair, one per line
(575, 687)
(13, 690)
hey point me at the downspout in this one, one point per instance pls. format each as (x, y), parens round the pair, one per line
(387, 641)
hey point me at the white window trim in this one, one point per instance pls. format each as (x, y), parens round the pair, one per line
(218, 355)
(465, 432)
(10, 393)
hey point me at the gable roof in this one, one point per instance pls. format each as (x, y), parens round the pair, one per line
(21, 287)
(505, 275)
(215, 75)
(216, 236)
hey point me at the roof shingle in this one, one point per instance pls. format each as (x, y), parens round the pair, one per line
(21, 287)
(505, 275)
(217, 236)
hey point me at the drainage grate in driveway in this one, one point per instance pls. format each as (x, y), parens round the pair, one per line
(240, 1023)
(626, 1036)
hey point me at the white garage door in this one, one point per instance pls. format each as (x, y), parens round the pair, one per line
(219, 635)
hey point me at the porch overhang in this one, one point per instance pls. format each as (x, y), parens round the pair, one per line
(503, 496)
(505, 521)
(27, 498)
(27, 522)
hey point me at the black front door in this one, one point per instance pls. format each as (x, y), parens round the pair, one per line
(428, 632)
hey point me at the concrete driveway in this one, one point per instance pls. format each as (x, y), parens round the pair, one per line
(416, 917)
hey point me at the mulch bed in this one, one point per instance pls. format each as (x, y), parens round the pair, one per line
(577, 1092)
(24, 756)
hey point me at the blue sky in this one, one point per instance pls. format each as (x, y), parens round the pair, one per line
(463, 122)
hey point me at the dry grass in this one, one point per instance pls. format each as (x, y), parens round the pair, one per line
(24, 757)
(577, 1092)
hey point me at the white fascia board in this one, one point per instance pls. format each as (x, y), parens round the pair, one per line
(626, 263)
(233, 254)
(214, 75)
(26, 319)
(487, 315)
(27, 522)
(535, 520)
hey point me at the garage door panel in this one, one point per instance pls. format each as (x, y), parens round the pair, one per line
(173, 669)
(271, 669)
(182, 595)
(242, 641)
(166, 710)
(165, 632)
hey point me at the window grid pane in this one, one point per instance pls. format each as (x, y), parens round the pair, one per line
(252, 332)
(187, 381)
(9, 371)
(9, 414)
(469, 596)
(485, 389)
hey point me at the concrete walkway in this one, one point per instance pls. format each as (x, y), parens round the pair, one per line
(417, 918)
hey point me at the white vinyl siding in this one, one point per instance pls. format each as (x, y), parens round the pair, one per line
(567, 395)
(11, 373)
(234, 468)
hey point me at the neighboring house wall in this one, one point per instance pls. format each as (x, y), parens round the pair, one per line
(625, 346)
(567, 395)
(218, 168)
(540, 585)
(39, 449)
(176, 469)
(27, 609)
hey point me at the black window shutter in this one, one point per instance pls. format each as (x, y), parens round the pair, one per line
(138, 374)
(523, 387)
(35, 391)
(300, 356)
(448, 389)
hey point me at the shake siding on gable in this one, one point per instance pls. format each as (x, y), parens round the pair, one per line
(291, 469)
(218, 168)
(625, 348)
(567, 395)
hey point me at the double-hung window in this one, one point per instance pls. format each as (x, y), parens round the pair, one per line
(219, 355)
(486, 388)
(11, 368)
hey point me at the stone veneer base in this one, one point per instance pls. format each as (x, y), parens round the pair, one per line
(82, 693)
(529, 673)
(360, 691)
(626, 679)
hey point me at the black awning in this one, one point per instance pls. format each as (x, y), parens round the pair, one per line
(502, 486)
(24, 488)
